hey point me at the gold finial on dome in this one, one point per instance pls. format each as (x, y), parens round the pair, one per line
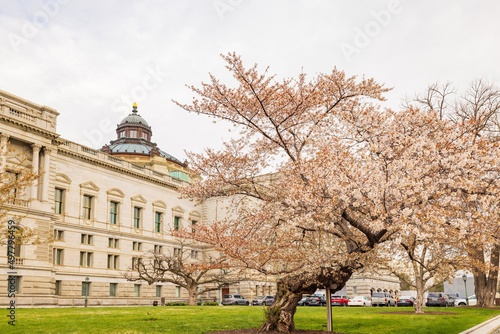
(134, 105)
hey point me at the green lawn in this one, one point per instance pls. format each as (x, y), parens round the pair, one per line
(198, 320)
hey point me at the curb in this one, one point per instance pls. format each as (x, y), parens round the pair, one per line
(485, 327)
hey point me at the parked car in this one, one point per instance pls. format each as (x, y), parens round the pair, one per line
(438, 299)
(234, 300)
(453, 297)
(340, 300)
(316, 301)
(360, 301)
(383, 299)
(304, 301)
(463, 302)
(406, 301)
(263, 300)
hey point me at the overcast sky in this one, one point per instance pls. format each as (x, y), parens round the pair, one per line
(91, 59)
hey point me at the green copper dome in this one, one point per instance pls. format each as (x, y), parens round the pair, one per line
(134, 118)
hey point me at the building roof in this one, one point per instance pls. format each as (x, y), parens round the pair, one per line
(134, 118)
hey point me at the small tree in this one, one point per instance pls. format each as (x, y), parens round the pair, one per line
(424, 265)
(197, 273)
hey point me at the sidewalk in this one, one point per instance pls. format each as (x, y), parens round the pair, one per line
(491, 326)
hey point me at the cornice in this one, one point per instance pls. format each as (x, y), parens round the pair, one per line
(27, 127)
(96, 161)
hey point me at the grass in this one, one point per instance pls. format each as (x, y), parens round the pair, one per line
(198, 320)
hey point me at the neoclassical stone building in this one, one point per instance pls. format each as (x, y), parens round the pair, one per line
(104, 208)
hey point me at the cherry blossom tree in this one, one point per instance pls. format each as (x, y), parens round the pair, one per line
(423, 264)
(345, 177)
(479, 106)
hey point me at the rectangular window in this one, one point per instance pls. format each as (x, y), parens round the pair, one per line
(86, 288)
(87, 239)
(177, 252)
(112, 261)
(17, 248)
(87, 207)
(137, 290)
(112, 243)
(113, 212)
(58, 201)
(133, 134)
(112, 289)
(158, 222)
(58, 235)
(137, 246)
(158, 249)
(11, 178)
(158, 291)
(137, 217)
(86, 259)
(177, 291)
(194, 254)
(58, 288)
(177, 223)
(193, 226)
(354, 289)
(135, 263)
(58, 256)
(13, 283)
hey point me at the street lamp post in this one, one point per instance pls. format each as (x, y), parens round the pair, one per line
(86, 289)
(464, 277)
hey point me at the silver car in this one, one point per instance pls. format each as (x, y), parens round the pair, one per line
(263, 300)
(234, 300)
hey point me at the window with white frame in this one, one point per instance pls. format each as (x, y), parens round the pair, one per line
(158, 221)
(59, 201)
(137, 217)
(113, 212)
(87, 206)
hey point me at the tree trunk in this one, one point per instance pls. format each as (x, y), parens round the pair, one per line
(279, 316)
(192, 296)
(486, 285)
(419, 302)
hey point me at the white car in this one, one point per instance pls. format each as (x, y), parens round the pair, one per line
(463, 302)
(360, 301)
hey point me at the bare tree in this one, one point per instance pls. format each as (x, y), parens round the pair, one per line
(185, 267)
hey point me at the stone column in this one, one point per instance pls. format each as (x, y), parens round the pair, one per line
(46, 174)
(36, 156)
(4, 138)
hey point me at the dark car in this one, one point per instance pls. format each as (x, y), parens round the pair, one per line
(263, 300)
(316, 301)
(406, 301)
(438, 299)
(234, 300)
(304, 301)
